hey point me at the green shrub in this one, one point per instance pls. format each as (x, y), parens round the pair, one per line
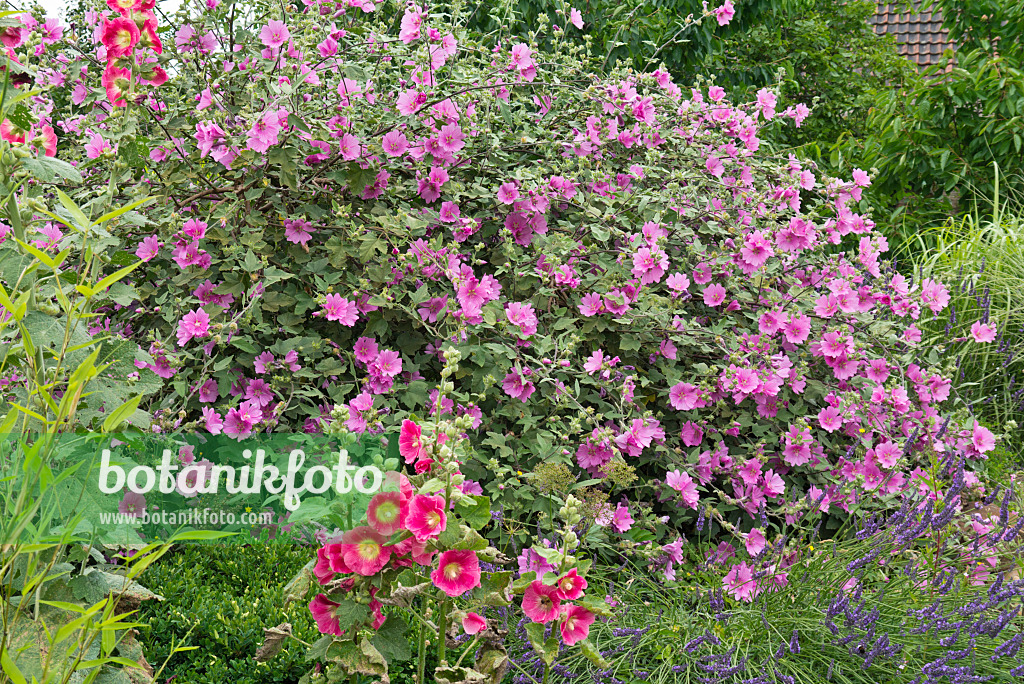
(219, 599)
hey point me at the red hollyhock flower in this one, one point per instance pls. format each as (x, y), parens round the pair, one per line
(119, 37)
(116, 81)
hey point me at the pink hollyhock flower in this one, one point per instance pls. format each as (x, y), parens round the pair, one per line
(193, 325)
(116, 81)
(934, 295)
(335, 554)
(149, 248)
(755, 542)
(132, 504)
(473, 623)
(119, 37)
(458, 571)
(983, 332)
(649, 265)
(322, 568)
(364, 550)
(426, 518)
(570, 586)
(878, 370)
(386, 512)
(540, 602)
(684, 484)
(323, 609)
(451, 138)
(410, 442)
(449, 212)
(575, 18)
(337, 308)
(739, 583)
(714, 294)
(575, 625)
(274, 34)
(982, 438)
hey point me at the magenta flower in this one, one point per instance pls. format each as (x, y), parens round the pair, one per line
(426, 518)
(982, 438)
(208, 391)
(540, 602)
(739, 583)
(132, 504)
(395, 143)
(575, 624)
(523, 316)
(410, 442)
(473, 623)
(337, 308)
(457, 572)
(714, 294)
(888, 454)
(149, 248)
(570, 586)
(508, 193)
(364, 551)
(386, 512)
(755, 542)
(365, 349)
(193, 325)
(622, 521)
(323, 609)
(983, 332)
(683, 396)
(274, 34)
(575, 18)
(684, 484)
(830, 419)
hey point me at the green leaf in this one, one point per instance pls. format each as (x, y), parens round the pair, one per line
(475, 510)
(391, 640)
(50, 169)
(351, 614)
(121, 413)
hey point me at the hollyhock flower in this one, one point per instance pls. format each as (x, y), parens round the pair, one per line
(575, 625)
(132, 504)
(274, 34)
(410, 441)
(458, 571)
(684, 484)
(193, 325)
(119, 37)
(148, 248)
(426, 518)
(541, 602)
(570, 586)
(337, 308)
(364, 550)
(983, 332)
(213, 422)
(714, 294)
(517, 386)
(473, 623)
(386, 512)
(739, 583)
(649, 265)
(323, 609)
(116, 81)
(934, 295)
(46, 139)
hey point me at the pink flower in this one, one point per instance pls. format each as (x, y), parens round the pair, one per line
(683, 396)
(193, 325)
(540, 602)
(410, 442)
(426, 518)
(473, 623)
(365, 349)
(149, 248)
(132, 504)
(323, 609)
(622, 521)
(739, 583)
(508, 193)
(364, 551)
(755, 542)
(888, 454)
(677, 282)
(983, 332)
(523, 316)
(575, 625)
(830, 419)
(337, 308)
(570, 586)
(714, 294)
(797, 329)
(591, 304)
(208, 392)
(715, 167)
(386, 512)
(395, 144)
(725, 13)
(457, 572)
(575, 18)
(119, 37)
(274, 34)
(982, 438)
(684, 484)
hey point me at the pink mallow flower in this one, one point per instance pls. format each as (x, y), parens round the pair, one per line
(540, 602)
(457, 572)
(575, 625)
(426, 518)
(739, 583)
(193, 325)
(473, 623)
(364, 551)
(983, 332)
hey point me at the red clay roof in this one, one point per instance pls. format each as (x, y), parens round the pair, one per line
(920, 36)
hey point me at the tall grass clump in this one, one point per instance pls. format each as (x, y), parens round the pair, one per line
(980, 257)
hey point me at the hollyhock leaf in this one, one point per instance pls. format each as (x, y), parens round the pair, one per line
(50, 169)
(535, 632)
(492, 662)
(326, 647)
(595, 605)
(494, 590)
(451, 536)
(592, 654)
(458, 675)
(361, 658)
(296, 122)
(524, 581)
(391, 640)
(475, 510)
(471, 540)
(298, 586)
(351, 614)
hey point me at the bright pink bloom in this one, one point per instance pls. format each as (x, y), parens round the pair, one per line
(119, 37)
(148, 248)
(323, 609)
(274, 34)
(410, 442)
(337, 308)
(684, 484)
(541, 602)
(570, 586)
(386, 512)
(755, 542)
(575, 625)
(983, 332)
(364, 551)
(457, 572)
(426, 518)
(714, 294)
(473, 623)
(739, 583)
(194, 324)
(982, 438)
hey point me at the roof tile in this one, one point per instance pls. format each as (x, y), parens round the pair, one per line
(919, 36)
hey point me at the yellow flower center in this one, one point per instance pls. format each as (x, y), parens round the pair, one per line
(369, 549)
(451, 571)
(124, 38)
